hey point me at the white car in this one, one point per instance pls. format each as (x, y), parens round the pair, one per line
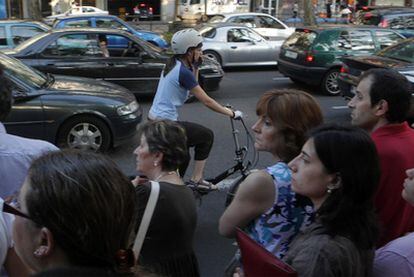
(264, 24)
(238, 45)
(89, 10)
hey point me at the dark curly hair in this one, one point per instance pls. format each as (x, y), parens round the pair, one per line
(294, 113)
(168, 138)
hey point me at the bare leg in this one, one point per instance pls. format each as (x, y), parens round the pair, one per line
(198, 170)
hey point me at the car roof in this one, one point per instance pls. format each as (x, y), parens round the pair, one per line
(324, 27)
(224, 24)
(89, 30)
(245, 13)
(85, 15)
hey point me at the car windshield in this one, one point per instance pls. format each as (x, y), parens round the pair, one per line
(300, 40)
(28, 42)
(28, 75)
(216, 18)
(403, 51)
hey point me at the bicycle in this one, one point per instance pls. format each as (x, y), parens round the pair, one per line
(242, 164)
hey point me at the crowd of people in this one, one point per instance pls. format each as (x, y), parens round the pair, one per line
(337, 201)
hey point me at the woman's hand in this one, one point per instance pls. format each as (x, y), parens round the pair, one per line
(139, 180)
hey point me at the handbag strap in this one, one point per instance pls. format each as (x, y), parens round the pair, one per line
(146, 219)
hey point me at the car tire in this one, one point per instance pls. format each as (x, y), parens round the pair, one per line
(330, 84)
(213, 55)
(85, 133)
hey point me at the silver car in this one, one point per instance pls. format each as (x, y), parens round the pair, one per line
(238, 45)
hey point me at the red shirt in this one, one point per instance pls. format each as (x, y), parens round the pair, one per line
(395, 146)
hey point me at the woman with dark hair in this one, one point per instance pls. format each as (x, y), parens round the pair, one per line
(178, 79)
(264, 205)
(338, 170)
(168, 246)
(77, 211)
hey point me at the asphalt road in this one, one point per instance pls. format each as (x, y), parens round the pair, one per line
(241, 89)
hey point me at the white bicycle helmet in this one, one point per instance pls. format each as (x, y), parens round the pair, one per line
(184, 39)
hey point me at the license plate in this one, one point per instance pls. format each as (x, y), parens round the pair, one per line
(291, 54)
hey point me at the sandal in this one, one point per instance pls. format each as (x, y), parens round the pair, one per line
(201, 186)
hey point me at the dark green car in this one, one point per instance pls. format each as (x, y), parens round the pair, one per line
(313, 55)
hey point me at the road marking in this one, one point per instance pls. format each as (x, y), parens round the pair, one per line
(339, 107)
(280, 78)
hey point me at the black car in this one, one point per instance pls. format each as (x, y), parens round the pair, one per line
(70, 112)
(313, 55)
(397, 18)
(399, 57)
(132, 62)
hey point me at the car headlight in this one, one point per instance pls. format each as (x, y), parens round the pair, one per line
(128, 109)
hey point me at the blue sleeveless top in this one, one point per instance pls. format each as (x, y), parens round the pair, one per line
(276, 228)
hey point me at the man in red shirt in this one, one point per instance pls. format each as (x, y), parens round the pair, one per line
(380, 106)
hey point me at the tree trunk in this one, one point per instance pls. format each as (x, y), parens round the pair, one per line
(308, 13)
(35, 12)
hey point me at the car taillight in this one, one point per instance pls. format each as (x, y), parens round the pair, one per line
(309, 57)
(142, 5)
(344, 69)
(384, 24)
(150, 10)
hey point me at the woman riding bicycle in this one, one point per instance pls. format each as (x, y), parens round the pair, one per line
(178, 79)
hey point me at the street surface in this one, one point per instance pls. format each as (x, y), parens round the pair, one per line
(241, 88)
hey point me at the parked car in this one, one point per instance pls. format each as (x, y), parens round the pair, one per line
(313, 55)
(399, 57)
(143, 11)
(14, 32)
(70, 112)
(397, 18)
(80, 10)
(264, 24)
(132, 62)
(238, 45)
(110, 21)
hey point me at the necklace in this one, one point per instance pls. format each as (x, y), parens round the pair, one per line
(163, 174)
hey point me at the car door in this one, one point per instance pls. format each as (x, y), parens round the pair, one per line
(247, 47)
(76, 54)
(132, 66)
(271, 27)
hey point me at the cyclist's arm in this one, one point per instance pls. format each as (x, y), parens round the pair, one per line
(202, 96)
(255, 195)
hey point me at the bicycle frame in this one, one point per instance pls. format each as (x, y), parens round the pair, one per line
(239, 166)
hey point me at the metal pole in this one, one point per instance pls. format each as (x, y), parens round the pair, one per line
(277, 9)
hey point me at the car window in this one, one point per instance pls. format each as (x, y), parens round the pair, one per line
(74, 45)
(78, 23)
(300, 40)
(3, 38)
(403, 51)
(208, 32)
(109, 23)
(121, 46)
(22, 33)
(386, 38)
(216, 18)
(327, 41)
(241, 35)
(344, 41)
(245, 19)
(394, 22)
(16, 68)
(192, 2)
(362, 40)
(268, 22)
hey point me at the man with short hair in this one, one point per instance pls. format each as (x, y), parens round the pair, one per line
(380, 106)
(16, 153)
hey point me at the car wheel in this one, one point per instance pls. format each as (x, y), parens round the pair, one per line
(330, 83)
(213, 55)
(85, 133)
